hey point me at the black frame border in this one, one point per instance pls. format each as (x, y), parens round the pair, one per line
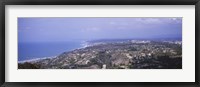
(99, 2)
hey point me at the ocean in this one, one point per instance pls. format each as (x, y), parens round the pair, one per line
(28, 51)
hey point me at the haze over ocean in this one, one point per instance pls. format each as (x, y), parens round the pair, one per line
(44, 37)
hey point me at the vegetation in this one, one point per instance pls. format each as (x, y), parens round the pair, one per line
(27, 65)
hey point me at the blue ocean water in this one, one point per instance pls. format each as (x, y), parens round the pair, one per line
(27, 51)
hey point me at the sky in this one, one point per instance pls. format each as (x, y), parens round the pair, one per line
(80, 28)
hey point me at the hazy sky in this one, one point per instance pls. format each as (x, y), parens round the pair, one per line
(68, 29)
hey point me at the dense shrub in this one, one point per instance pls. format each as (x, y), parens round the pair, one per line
(27, 65)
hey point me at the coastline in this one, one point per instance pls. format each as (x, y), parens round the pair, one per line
(84, 44)
(36, 59)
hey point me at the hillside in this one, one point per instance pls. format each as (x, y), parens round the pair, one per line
(116, 55)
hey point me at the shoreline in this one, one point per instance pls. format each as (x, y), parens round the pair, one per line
(36, 59)
(83, 45)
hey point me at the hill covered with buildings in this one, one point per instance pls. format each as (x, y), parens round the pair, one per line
(127, 54)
